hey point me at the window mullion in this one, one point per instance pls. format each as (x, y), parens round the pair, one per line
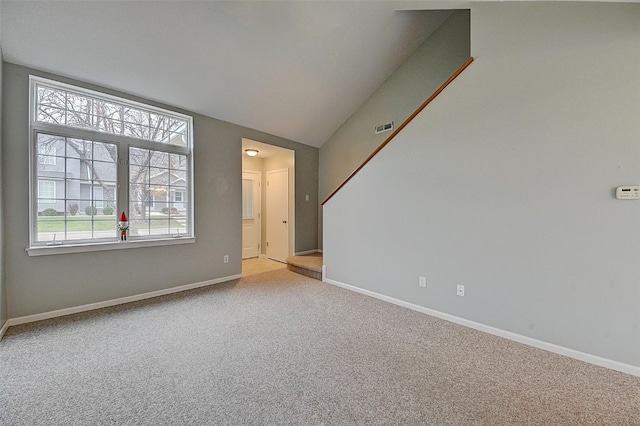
(66, 173)
(34, 187)
(123, 180)
(56, 129)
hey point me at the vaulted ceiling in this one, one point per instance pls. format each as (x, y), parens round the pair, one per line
(293, 69)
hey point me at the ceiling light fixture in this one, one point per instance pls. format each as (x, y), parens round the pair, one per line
(251, 152)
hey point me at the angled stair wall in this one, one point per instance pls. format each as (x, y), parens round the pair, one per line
(506, 184)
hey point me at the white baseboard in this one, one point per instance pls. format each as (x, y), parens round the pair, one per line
(319, 250)
(91, 306)
(304, 253)
(4, 329)
(561, 350)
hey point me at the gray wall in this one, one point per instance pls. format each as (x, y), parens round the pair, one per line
(4, 314)
(506, 185)
(45, 283)
(421, 75)
(306, 183)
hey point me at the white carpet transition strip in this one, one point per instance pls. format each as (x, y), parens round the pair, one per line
(550, 347)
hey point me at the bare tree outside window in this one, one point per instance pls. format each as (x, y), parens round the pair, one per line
(85, 170)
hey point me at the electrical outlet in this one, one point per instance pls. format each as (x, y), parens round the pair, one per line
(226, 258)
(422, 281)
(460, 291)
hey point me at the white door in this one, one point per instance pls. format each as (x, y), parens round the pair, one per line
(250, 214)
(278, 215)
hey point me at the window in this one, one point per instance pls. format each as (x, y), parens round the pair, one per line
(247, 199)
(96, 155)
(156, 174)
(46, 191)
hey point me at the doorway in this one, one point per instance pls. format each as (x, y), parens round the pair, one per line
(269, 161)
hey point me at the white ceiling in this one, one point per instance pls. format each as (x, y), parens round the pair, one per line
(293, 69)
(264, 150)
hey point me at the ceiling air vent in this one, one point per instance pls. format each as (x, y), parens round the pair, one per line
(384, 128)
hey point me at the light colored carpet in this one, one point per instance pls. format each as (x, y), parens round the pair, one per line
(280, 348)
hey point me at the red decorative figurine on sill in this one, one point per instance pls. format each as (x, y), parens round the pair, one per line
(123, 226)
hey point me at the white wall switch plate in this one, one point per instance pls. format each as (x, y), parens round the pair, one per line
(460, 290)
(422, 281)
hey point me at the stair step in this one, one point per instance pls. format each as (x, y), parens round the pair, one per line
(310, 265)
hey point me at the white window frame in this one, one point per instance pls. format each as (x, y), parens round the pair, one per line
(37, 248)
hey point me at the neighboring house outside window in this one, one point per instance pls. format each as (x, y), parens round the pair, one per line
(178, 199)
(46, 191)
(97, 155)
(98, 196)
(151, 199)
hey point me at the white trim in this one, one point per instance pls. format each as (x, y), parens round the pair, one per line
(324, 273)
(304, 253)
(4, 329)
(113, 302)
(110, 245)
(560, 350)
(319, 250)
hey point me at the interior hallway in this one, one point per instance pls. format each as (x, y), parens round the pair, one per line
(258, 265)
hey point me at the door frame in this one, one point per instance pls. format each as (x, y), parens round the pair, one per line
(286, 159)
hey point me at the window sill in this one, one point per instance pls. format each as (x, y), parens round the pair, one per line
(116, 245)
